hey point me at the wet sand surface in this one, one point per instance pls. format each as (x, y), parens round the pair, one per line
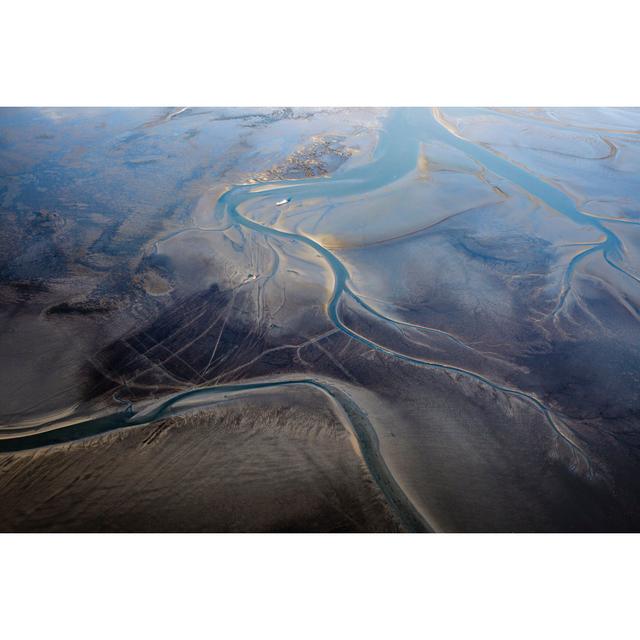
(320, 320)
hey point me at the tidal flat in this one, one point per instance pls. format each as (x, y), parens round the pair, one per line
(320, 320)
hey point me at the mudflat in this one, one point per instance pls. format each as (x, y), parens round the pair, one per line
(319, 319)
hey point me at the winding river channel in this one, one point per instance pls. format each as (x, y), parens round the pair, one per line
(395, 157)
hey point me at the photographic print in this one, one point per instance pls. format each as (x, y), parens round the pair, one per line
(320, 319)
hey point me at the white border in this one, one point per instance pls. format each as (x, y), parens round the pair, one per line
(334, 52)
(318, 587)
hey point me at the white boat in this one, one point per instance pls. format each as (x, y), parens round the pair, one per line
(281, 202)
